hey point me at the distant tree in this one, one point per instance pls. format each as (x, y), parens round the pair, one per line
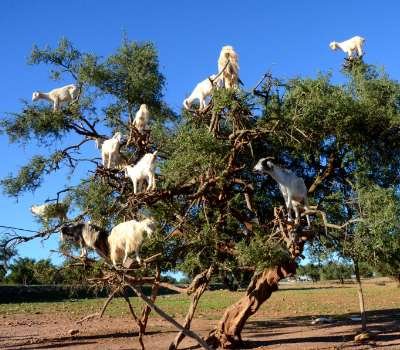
(46, 273)
(73, 273)
(366, 270)
(6, 254)
(22, 271)
(311, 270)
(336, 271)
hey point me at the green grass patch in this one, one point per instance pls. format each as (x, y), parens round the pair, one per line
(291, 300)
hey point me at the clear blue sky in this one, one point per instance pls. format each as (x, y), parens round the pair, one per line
(289, 37)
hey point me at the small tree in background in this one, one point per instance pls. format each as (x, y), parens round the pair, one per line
(7, 253)
(22, 271)
(310, 270)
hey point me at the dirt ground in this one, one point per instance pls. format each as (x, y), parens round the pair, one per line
(50, 331)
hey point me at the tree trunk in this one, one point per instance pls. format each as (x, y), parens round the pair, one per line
(360, 297)
(229, 329)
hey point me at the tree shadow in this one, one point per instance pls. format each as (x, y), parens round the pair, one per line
(59, 342)
(386, 322)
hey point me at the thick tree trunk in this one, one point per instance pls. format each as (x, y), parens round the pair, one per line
(229, 329)
(360, 297)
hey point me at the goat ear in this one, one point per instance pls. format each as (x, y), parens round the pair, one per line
(155, 153)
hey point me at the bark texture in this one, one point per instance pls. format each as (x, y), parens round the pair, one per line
(228, 332)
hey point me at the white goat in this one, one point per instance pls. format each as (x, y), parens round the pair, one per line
(231, 72)
(202, 91)
(49, 211)
(66, 93)
(110, 150)
(143, 170)
(127, 237)
(293, 189)
(354, 44)
(141, 118)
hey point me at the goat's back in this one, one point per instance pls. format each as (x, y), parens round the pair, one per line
(126, 233)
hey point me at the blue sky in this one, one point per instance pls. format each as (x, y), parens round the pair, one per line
(289, 37)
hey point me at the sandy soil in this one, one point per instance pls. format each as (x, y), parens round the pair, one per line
(46, 331)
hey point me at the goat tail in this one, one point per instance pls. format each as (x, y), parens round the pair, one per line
(228, 53)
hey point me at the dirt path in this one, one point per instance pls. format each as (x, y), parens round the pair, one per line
(40, 331)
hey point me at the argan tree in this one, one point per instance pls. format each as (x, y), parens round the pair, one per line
(214, 214)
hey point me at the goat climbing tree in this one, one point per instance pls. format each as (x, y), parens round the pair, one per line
(214, 215)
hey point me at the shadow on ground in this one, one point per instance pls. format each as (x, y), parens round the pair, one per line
(386, 322)
(61, 342)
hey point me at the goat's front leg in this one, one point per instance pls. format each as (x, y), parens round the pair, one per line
(110, 160)
(349, 54)
(202, 103)
(359, 51)
(289, 206)
(125, 256)
(83, 250)
(151, 182)
(296, 213)
(137, 256)
(56, 104)
(306, 208)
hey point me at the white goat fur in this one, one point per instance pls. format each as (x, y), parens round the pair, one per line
(110, 150)
(141, 118)
(202, 90)
(127, 237)
(42, 211)
(143, 170)
(292, 187)
(354, 44)
(231, 72)
(66, 93)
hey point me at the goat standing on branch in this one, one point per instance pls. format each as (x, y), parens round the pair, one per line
(68, 93)
(87, 236)
(292, 187)
(350, 46)
(143, 170)
(141, 118)
(110, 150)
(127, 237)
(202, 91)
(49, 211)
(231, 71)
